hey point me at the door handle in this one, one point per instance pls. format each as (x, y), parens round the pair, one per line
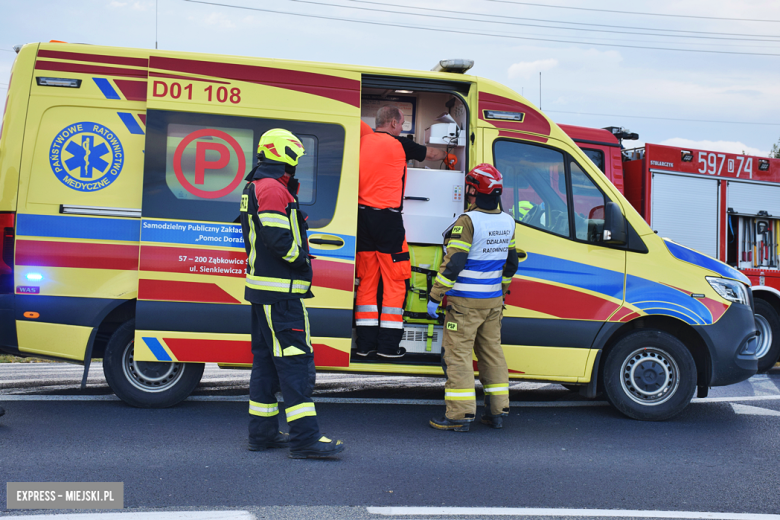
(327, 241)
(521, 254)
(424, 199)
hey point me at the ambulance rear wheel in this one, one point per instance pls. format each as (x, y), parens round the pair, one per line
(768, 325)
(146, 384)
(649, 375)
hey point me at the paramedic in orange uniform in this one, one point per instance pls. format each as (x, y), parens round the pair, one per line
(382, 254)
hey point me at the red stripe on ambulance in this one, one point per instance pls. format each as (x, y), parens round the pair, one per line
(95, 58)
(132, 90)
(333, 275)
(559, 301)
(80, 255)
(228, 351)
(621, 313)
(523, 135)
(210, 350)
(196, 261)
(79, 68)
(173, 291)
(533, 120)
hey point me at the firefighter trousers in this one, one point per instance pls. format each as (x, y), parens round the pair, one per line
(383, 267)
(468, 330)
(283, 360)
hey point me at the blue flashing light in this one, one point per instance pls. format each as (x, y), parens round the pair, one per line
(34, 276)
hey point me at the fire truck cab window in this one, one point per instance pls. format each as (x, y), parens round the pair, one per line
(589, 205)
(597, 156)
(535, 191)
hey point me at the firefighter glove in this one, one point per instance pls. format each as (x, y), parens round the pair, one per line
(432, 308)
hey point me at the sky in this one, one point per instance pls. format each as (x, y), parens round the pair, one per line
(616, 69)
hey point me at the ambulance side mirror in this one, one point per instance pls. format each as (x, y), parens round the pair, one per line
(614, 225)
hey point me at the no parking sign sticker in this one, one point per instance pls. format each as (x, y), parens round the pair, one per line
(207, 163)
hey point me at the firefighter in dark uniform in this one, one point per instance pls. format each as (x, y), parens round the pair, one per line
(475, 274)
(278, 279)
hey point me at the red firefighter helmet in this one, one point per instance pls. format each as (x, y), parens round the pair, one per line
(485, 179)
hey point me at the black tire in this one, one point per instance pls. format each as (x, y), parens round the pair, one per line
(667, 381)
(146, 384)
(768, 325)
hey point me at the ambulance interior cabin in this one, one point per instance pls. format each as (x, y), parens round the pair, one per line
(434, 198)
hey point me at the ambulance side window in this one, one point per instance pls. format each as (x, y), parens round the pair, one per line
(589, 205)
(195, 165)
(535, 191)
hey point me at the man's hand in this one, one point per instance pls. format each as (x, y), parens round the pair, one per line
(432, 308)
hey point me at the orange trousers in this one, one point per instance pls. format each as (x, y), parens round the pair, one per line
(383, 267)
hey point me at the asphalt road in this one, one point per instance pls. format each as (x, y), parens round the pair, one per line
(720, 454)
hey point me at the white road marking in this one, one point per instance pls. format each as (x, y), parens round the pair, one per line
(522, 511)
(347, 400)
(744, 409)
(167, 515)
(762, 385)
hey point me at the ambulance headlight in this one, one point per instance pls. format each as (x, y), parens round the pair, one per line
(34, 276)
(730, 290)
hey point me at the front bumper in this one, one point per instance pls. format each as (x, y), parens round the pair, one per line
(732, 344)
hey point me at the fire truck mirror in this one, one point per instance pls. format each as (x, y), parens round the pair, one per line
(614, 225)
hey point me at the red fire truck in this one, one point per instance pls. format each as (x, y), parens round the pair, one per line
(721, 204)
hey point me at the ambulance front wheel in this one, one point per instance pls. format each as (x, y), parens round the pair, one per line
(146, 384)
(649, 375)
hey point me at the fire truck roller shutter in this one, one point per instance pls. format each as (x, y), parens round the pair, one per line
(685, 209)
(748, 199)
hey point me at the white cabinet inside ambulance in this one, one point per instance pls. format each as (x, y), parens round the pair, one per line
(121, 172)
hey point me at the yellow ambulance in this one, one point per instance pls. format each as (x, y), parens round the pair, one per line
(121, 172)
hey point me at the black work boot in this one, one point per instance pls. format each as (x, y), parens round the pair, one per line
(281, 440)
(456, 425)
(321, 449)
(494, 421)
(392, 354)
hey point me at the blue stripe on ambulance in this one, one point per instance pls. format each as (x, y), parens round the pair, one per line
(66, 226)
(651, 297)
(696, 258)
(566, 272)
(129, 120)
(157, 349)
(656, 298)
(106, 88)
(226, 235)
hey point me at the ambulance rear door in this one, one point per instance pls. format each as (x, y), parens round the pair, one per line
(77, 222)
(204, 121)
